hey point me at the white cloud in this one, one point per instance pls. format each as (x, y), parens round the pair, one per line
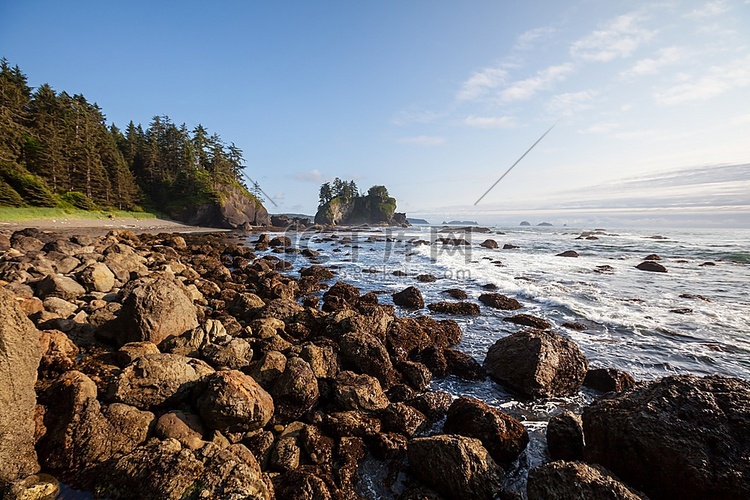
(717, 81)
(525, 40)
(740, 119)
(665, 57)
(422, 140)
(600, 128)
(490, 121)
(482, 82)
(620, 38)
(525, 89)
(711, 9)
(570, 103)
(313, 176)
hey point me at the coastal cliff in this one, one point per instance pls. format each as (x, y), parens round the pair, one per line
(234, 208)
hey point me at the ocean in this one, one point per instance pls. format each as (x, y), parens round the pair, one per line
(693, 319)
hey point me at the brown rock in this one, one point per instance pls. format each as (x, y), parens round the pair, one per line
(529, 320)
(58, 351)
(234, 402)
(97, 277)
(652, 266)
(608, 379)
(456, 308)
(295, 392)
(576, 480)
(359, 392)
(565, 437)
(499, 301)
(410, 297)
(489, 243)
(59, 286)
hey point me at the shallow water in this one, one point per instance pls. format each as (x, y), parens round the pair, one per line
(635, 320)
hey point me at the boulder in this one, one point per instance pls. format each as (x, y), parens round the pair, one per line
(455, 466)
(352, 423)
(359, 392)
(97, 277)
(155, 308)
(499, 301)
(576, 480)
(19, 361)
(410, 297)
(58, 351)
(124, 262)
(295, 391)
(456, 308)
(456, 293)
(565, 437)
(234, 355)
(59, 286)
(649, 265)
(537, 363)
(462, 365)
(608, 380)
(366, 354)
(187, 428)
(503, 436)
(529, 320)
(81, 433)
(318, 272)
(234, 402)
(158, 381)
(405, 337)
(489, 243)
(568, 253)
(678, 437)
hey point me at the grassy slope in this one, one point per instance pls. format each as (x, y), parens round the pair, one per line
(10, 214)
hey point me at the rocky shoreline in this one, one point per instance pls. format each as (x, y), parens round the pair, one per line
(187, 366)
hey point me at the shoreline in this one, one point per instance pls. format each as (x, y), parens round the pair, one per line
(97, 227)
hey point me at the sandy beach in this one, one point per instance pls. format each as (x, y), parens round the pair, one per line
(104, 225)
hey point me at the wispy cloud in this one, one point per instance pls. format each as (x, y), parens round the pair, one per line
(544, 79)
(711, 9)
(665, 57)
(490, 121)
(600, 128)
(718, 80)
(527, 39)
(570, 103)
(313, 176)
(618, 39)
(481, 83)
(422, 140)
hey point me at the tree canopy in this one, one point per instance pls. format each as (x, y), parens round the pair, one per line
(56, 148)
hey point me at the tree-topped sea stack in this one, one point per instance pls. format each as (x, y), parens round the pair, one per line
(341, 203)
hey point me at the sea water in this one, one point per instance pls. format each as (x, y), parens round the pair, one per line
(693, 319)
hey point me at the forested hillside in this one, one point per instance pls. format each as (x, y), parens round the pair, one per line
(56, 149)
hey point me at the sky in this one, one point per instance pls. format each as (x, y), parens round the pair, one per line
(435, 99)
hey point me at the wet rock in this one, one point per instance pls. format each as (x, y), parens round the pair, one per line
(187, 428)
(489, 243)
(565, 437)
(158, 380)
(537, 363)
(576, 480)
(295, 392)
(410, 297)
(402, 418)
(234, 402)
(432, 404)
(340, 296)
(529, 320)
(268, 369)
(455, 466)
(58, 351)
(366, 354)
(417, 375)
(19, 361)
(455, 308)
(134, 350)
(286, 454)
(652, 256)
(352, 423)
(579, 327)
(97, 277)
(405, 337)
(59, 286)
(463, 365)
(679, 437)
(280, 241)
(300, 485)
(510, 246)
(81, 433)
(503, 436)
(608, 379)
(359, 392)
(323, 359)
(318, 272)
(154, 309)
(443, 333)
(456, 293)
(499, 301)
(652, 266)
(694, 296)
(426, 278)
(568, 253)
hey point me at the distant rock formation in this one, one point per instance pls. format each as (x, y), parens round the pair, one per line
(544, 224)
(377, 207)
(412, 220)
(461, 223)
(234, 208)
(525, 223)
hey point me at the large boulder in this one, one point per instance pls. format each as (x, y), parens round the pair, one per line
(503, 436)
(576, 480)
(455, 308)
(537, 363)
(409, 297)
(366, 354)
(155, 308)
(499, 301)
(359, 392)
(565, 437)
(59, 286)
(235, 402)
(455, 466)
(158, 380)
(19, 361)
(97, 277)
(295, 391)
(679, 437)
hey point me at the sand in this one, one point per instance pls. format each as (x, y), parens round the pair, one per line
(104, 225)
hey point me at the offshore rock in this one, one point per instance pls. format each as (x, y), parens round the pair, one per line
(679, 437)
(537, 363)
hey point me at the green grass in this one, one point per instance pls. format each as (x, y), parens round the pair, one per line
(11, 214)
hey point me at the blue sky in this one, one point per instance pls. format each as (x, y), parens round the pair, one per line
(434, 99)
